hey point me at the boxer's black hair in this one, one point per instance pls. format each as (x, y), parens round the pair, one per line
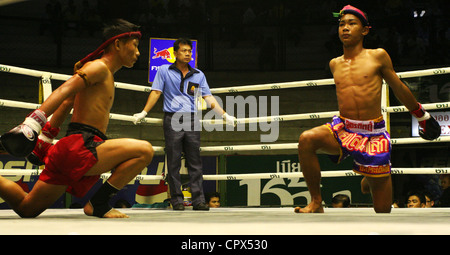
(117, 27)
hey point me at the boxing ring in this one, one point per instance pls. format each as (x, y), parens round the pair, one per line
(238, 220)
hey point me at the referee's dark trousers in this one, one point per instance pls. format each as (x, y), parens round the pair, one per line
(186, 140)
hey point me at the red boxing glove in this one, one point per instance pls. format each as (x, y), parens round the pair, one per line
(45, 141)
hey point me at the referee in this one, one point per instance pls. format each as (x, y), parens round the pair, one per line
(183, 86)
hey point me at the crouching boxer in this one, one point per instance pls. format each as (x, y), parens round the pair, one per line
(76, 161)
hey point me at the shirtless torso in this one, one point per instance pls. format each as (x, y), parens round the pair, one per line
(92, 105)
(358, 90)
(358, 84)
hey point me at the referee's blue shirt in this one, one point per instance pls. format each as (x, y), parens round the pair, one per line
(180, 93)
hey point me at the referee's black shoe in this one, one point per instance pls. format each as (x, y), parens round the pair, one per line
(178, 207)
(201, 207)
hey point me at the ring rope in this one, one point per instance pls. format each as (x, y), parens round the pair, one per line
(64, 77)
(280, 118)
(228, 177)
(270, 86)
(233, 149)
(321, 115)
(18, 104)
(294, 146)
(115, 116)
(321, 82)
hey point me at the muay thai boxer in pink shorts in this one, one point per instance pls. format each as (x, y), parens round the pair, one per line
(359, 131)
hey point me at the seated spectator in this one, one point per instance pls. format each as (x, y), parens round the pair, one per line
(415, 199)
(444, 200)
(340, 201)
(429, 199)
(212, 199)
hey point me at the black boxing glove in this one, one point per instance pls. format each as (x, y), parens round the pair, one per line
(21, 140)
(429, 128)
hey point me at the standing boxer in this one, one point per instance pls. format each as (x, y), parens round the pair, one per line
(360, 130)
(75, 162)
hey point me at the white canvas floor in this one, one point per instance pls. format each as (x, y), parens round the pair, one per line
(233, 221)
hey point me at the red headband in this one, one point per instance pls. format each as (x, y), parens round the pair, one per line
(95, 54)
(355, 11)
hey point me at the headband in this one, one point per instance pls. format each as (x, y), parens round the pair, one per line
(95, 54)
(355, 11)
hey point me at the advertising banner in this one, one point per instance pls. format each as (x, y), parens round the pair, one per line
(284, 191)
(161, 53)
(443, 118)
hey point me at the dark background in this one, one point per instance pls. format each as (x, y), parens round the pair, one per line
(233, 34)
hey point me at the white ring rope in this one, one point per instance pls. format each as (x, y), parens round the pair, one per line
(321, 115)
(270, 86)
(64, 77)
(281, 118)
(321, 82)
(232, 149)
(17, 104)
(115, 116)
(294, 146)
(228, 177)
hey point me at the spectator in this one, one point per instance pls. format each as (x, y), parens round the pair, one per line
(429, 199)
(444, 200)
(416, 199)
(213, 199)
(340, 201)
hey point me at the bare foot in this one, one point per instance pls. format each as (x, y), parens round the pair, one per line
(311, 208)
(113, 213)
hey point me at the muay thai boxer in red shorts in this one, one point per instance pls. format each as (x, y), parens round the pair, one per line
(76, 161)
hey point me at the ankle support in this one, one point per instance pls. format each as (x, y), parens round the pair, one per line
(100, 200)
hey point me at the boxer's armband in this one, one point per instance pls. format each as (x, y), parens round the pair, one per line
(84, 77)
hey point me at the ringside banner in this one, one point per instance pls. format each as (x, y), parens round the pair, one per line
(161, 53)
(286, 191)
(443, 118)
